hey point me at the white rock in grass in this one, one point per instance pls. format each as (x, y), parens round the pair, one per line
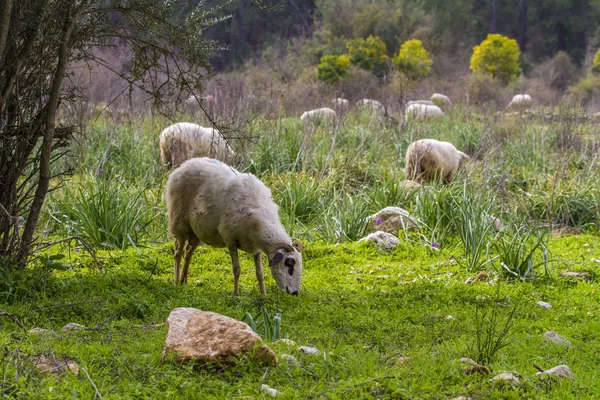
(270, 391)
(462, 398)
(392, 220)
(511, 377)
(573, 274)
(543, 304)
(50, 365)
(383, 240)
(72, 326)
(558, 339)
(562, 371)
(44, 333)
(290, 360)
(313, 351)
(287, 342)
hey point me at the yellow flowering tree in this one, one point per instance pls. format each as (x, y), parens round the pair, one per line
(497, 56)
(333, 68)
(368, 54)
(413, 61)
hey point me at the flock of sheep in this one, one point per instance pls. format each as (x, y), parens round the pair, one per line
(211, 202)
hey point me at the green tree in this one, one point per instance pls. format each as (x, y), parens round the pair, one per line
(497, 56)
(596, 63)
(333, 68)
(413, 61)
(369, 54)
(38, 39)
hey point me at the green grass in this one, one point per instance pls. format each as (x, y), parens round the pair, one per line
(361, 307)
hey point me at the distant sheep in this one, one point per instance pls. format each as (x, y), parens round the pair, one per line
(184, 140)
(377, 106)
(341, 104)
(319, 113)
(520, 102)
(211, 202)
(426, 102)
(441, 100)
(423, 111)
(430, 159)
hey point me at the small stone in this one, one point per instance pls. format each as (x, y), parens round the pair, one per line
(270, 391)
(543, 304)
(287, 342)
(561, 371)
(558, 339)
(566, 231)
(573, 274)
(313, 351)
(383, 240)
(482, 276)
(401, 359)
(511, 377)
(72, 326)
(44, 333)
(476, 367)
(392, 220)
(290, 360)
(462, 398)
(47, 365)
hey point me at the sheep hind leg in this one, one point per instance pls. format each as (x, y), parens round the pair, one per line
(236, 270)
(259, 273)
(192, 243)
(178, 244)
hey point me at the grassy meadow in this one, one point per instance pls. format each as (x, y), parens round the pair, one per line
(389, 325)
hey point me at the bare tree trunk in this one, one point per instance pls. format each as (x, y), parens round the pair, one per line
(5, 24)
(492, 16)
(303, 18)
(46, 150)
(522, 36)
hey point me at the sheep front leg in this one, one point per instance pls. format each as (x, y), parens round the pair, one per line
(259, 273)
(177, 255)
(236, 270)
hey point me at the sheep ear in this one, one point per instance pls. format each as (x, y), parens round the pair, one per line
(276, 259)
(298, 245)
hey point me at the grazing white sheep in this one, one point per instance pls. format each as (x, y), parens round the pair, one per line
(520, 102)
(319, 113)
(429, 159)
(426, 102)
(441, 100)
(424, 111)
(211, 202)
(184, 140)
(341, 104)
(377, 106)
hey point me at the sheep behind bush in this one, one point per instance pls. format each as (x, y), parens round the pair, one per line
(184, 140)
(430, 159)
(211, 202)
(317, 114)
(423, 111)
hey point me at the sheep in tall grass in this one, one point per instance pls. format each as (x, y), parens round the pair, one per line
(430, 159)
(376, 105)
(426, 102)
(520, 102)
(341, 104)
(441, 100)
(423, 111)
(184, 140)
(211, 202)
(318, 114)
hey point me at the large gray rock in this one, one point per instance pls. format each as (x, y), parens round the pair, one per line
(392, 220)
(383, 240)
(207, 337)
(561, 371)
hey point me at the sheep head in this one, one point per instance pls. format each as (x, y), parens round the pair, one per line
(285, 262)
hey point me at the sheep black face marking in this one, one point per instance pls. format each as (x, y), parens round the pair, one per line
(289, 263)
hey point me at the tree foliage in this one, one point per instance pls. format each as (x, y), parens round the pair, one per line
(596, 63)
(333, 68)
(413, 61)
(368, 54)
(38, 40)
(497, 56)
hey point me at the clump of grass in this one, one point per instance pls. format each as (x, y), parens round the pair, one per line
(516, 246)
(105, 213)
(434, 207)
(345, 219)
(270, 330)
